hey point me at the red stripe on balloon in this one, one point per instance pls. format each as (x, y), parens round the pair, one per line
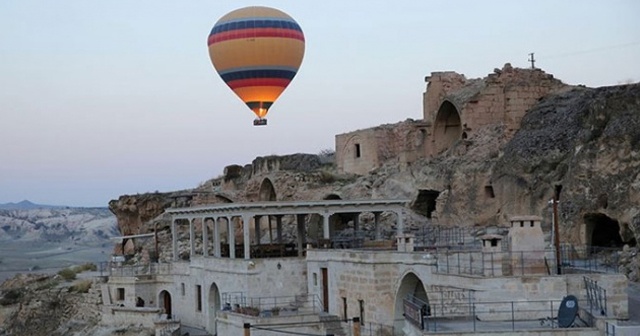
(282, 82)
(255, 32)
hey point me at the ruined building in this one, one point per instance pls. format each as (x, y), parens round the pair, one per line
(454, 108)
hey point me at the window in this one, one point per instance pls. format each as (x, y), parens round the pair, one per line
(488, 192)
(182, 288)
(198, 298)
(358, 150)
(120, 294)
(361, 302)
(315, 279)
(344, 308)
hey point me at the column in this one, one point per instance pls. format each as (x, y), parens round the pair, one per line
(216, 238)
(325, 225)
(256, 222)
(376, 224)
(174, 239)
(301, 233)
(205, 238)
(279, 228)
(232, 238)
(400, 222)
(356, 223)
(192, 239)
(247, 237)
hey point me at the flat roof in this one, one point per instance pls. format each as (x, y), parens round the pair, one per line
(290, 208)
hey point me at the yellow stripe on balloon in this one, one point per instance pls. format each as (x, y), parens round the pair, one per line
(259, 93)
(259, 12)
(244, 53)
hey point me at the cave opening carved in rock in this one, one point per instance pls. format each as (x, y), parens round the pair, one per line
(425, 202)
(602, 231)
(448, 127)
(267, 191)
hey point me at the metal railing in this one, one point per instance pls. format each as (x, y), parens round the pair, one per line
(494, 316)
(590, 259)
(596, 296)
(238, 302)
(488, 264)
(139, 270)
(609, 329)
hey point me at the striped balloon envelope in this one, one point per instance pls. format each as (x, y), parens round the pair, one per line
(257, 51)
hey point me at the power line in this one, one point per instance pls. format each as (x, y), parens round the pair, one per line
(587, 51)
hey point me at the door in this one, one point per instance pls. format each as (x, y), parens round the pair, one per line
(325, 289)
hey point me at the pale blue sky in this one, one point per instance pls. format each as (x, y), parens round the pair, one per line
(104, 98)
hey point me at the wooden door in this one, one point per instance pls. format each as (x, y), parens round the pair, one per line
(325, 289)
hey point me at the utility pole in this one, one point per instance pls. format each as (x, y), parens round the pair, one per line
(556, 225)
(532, 60)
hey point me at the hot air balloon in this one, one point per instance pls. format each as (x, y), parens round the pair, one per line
(257, 51)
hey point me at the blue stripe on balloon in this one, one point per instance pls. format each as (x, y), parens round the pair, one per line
(254, 68)
(249, 23)
(259, 73)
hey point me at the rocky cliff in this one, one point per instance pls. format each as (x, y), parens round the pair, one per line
(583, 143)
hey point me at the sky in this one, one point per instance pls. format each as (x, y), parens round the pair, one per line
(100, 99)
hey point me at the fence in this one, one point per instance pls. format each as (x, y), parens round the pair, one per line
(494, 316)
(438, 236)
(590, 259)
(481, 263)
(271, 306)
(596, 296)
(139, 270)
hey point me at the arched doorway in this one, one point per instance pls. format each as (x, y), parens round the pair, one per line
(214, 307)
(447, 127)
(411, 287)
(267, 191)
(164, 301)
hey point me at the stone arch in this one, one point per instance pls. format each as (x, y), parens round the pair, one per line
(447, 127)
(214, 307)
(352, 147)
(410, 286)
(267, 191)
(164, 302)
(602, 230)
(331, 197)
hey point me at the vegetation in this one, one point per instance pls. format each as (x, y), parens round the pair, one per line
(10, 297)
(81, 287)
(86, 267)
(67, 274)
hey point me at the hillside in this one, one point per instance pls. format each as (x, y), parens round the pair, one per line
(30, 222)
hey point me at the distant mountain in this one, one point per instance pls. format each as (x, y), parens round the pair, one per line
(26, 221)
(27, 205)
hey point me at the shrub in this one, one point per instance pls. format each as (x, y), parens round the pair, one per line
(67, 274)
(85, 267)
(10, 297)
(48, 285)
(82, 286)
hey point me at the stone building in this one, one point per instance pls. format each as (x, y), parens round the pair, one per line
(453, 108)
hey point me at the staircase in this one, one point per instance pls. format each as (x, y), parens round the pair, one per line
(332, 324)
(106, 295)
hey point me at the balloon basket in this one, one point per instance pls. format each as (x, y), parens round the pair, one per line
(260, 122)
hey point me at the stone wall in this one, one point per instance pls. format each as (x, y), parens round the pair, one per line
(361, 151)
